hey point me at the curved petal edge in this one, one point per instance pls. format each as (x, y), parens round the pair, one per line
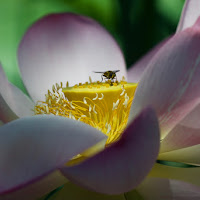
(66, 47)
(171, 82)
(124, 164)
(190, 14)
(136, 71)
(31, 148)
(13, 102)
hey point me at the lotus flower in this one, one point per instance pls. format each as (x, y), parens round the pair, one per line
(36, 150)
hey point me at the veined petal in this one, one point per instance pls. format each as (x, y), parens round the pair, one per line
(192, 119)
(190, 175)
(66, 47)
(188, 155)
(135, 71)
(190, 14)
(171, 82)
(180, 137)
(13, 102)
(184, 134)
(33, 147)
(168, 189)
(124, 164)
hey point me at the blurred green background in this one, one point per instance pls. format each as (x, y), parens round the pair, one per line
(137, 25)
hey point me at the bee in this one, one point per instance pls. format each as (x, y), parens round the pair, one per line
(109, 75)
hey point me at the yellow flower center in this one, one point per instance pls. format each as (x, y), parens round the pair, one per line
(103, 105)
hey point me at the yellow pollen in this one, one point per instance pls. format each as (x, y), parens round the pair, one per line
(103, 105)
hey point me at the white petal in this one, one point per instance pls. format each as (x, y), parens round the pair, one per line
(66, 47)
(13, 103)
(33, 147)
(190, 14)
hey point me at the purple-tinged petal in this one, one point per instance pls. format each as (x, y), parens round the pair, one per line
(124, 164)
(184, 134)
(168, 189)
(36, 188)
(180, 137)
(66, 47)
(171, 82)
(13, 102)
(135, 72)
(190, 14)
(33, 147)
(189, 155)
(189, 175)
(192, 119)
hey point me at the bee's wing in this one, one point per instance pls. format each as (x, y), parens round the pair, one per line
(109, 70)
(99, 72)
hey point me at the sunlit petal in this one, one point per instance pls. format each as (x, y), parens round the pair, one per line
(190, 13)
(66, 47)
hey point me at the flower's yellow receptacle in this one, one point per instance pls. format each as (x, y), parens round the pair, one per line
(104, 106)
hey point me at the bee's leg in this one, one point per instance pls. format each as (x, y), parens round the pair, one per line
(101, 78)
(111, 83)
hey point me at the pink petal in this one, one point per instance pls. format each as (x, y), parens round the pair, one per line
(184, 134)
(190, 14)
(13, 103)
(135, 72)
(168, 189)
(66, 47)
(189, 155)
(36, 188)
(33, 147)
(123, 165)
(171, 82)
(192, 119)
(180, 137)
(189, 175)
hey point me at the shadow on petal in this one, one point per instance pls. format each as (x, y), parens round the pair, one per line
(124, 164)
(32, 148)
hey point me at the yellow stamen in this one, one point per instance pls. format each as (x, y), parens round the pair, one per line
(104, 106)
